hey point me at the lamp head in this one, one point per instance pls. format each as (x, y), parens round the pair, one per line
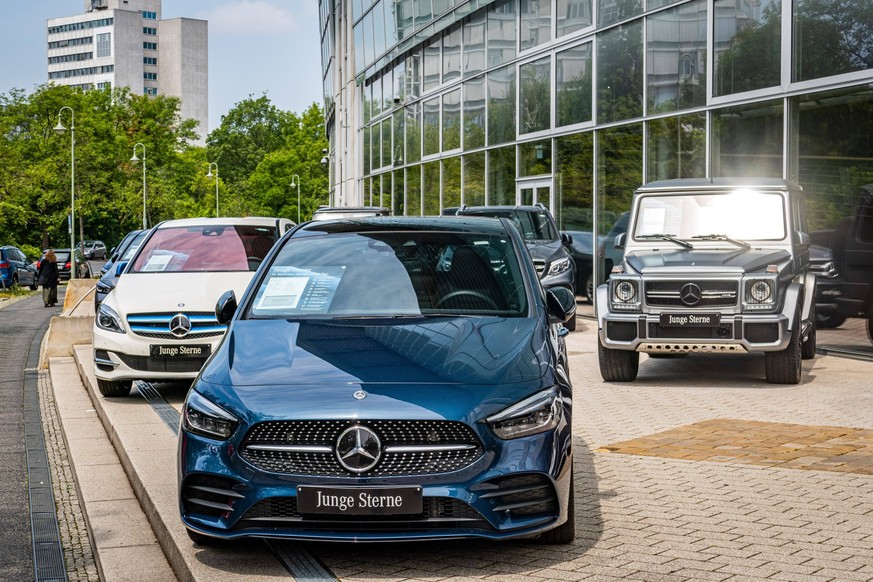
(209, 175)
(324, 160)
(135, 158)
(59, 128)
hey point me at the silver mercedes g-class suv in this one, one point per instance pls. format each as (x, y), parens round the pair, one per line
(711, 266)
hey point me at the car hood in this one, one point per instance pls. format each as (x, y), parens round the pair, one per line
(440, 368)
(545, 250)
(166, 292)
(733, 261)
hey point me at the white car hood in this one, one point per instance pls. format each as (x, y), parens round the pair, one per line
(174, 292)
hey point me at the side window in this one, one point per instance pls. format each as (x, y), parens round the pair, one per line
(865, 221)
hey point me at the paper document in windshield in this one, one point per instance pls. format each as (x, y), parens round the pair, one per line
(302, 290)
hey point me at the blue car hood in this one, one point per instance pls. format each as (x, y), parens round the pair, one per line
(432, 368)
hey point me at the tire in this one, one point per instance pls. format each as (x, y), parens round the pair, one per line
(829, 320)
(589, 288)
(200, 539)
(566, 532)
(870, 328)
(571, 324)
(618, 365)
(783, 367)
(112, 389)
(807, 350)
(34, 285)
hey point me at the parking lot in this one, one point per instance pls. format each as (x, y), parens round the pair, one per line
(697, 471)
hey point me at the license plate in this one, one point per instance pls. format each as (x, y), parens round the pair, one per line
(316, 500)
(690, 319)
(178, 352)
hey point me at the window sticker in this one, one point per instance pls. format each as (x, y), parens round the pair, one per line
(157, 263)
(298, 290)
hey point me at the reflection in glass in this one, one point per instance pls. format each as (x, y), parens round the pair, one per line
(747, 140)
(832, 37)
(367, 149)
(405, 17)
(385, 198)
(452, 55)
(536, 23)
(501, 176)
(400, 82)
(432, 126)
(377, 96)
(431, 188)
(677, 147)
(501, 33)
(369, 46)
(452, 182)
(397, 146)
(367, 194)
(474, 179)
(676, 57)
(747, 45)
(386, 142)
(440, 6)
(413, 75)
(360, 54)
(413, 132)
(620, 73)
(535, 101)
(535, 158)
(388, 90)
(379, 37)
(573, 90)
(619, 171)
(474, 113)
(376, 141)
(574, 181)
(423, 12)
(609, 11)
(399, 208)
(501, 105)
(474, 45)
(432, 65)
(573, 15)
(452, 120)
(413, 191)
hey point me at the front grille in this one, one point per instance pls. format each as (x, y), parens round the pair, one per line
(717, 293)
(148, 364)
(540, 266)
(431, 434)
(437, 513)
(723, 331)
(521, 496)
(157, 325)
(621, 331)
(761, 333)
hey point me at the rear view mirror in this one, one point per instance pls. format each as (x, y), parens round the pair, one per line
(566, 238)
(561, 304)
(619, 240)
(225, 307)
(119, 268)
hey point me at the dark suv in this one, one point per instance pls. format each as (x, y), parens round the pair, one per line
(553, 263)
(853, 255)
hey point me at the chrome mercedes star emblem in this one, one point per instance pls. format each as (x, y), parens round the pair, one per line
(358, 449)
(360, 395)
(180, 325)
(690, 294)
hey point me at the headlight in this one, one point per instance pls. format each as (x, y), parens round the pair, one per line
(103, 287)
(536, 414)
(760, 291)
(107, 319)
(625, 291)
(559, 266)
(202, 417)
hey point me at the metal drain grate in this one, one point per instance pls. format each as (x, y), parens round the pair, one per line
(299, 562)
(165, 412)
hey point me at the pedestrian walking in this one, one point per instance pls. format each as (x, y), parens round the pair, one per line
(48, 277)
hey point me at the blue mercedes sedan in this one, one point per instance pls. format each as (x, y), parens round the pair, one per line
(385, 379)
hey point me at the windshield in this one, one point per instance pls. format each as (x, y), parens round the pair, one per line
(742, 215)
(531, 225)
(212, 248)
(393, 274)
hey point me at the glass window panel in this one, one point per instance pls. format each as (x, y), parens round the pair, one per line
(391, 36)
(452, 182)
(368, 199)
(431, 188)
(574, 181)
(747, 140)
(379, 29)
(367, 150)
(501, 105)
(399, 82)
(413, 75)
(676, 57)
(620, 73)
(535, 158)
(501, 176)
(619, 173)
(369, 41)
(452, 120)
(360, 54)
(399, 208)
(609, 11)
(535, 27)
(397, 147)
(677, 147)
(423, 12)
(413, 133)
(452, 56)
(573, 80)
(385, 196)
(367, 101)
(747, 45)
(357, 8)
(474, 113)
(413, 191)
(388, 90)
(832, 37)
(432, 65)
(377, 96)
(535, 101)
(440, 6)
(501, 33)
(474, 45)
(386, 142)
(405, 17)
(376, 141)
(573, 15)
(432, 126)
(474, 179)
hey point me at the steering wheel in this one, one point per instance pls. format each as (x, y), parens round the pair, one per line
(469, 293)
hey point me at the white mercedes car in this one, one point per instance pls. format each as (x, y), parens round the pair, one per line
(159, 322)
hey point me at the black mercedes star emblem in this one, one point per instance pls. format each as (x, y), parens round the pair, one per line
(180, 325)
(358, 449)
(690, 294)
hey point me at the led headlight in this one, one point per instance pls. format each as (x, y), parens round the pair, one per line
(201, 416)
(761, 291)
(103, 287)
(559, 266)
(625, 291)
(535, 414)
(107, 319)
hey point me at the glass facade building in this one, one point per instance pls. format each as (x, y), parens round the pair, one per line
(574, 103)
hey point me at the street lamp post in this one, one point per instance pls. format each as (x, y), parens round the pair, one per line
(210, 175)
(295, 181)
(60, 130)
(136, 159)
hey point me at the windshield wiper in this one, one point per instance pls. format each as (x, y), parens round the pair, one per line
(724, 237)
(667, 237)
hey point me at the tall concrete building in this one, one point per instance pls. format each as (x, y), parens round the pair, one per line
(125, 43)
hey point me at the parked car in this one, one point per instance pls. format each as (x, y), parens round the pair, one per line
(828, 287)
(607, 250)
(545, 244)
(93, 249)
(711, 266)
(119, 251)
(158, 323)
(16, 269)
(385, 379)
(853, 255)
(109, 277)
(83, 269)
(581, 249)
(331, 212)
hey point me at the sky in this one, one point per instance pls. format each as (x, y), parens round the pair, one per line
(255, 47)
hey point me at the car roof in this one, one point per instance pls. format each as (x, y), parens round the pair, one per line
(223, 221)
(477, 209)
(352, 209)
(718, 184)
(488, 226)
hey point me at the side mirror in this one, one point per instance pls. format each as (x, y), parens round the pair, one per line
(225, 307)
(619, 240)
(566, 238)
(119, 268)
(801, 238)
(112, 252)
(561, 304)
